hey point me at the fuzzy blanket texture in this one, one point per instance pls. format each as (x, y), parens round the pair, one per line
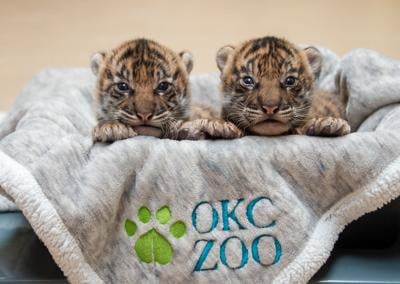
(250, 210)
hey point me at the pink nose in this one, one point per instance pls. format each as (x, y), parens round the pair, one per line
(270, 109)
(144, 116)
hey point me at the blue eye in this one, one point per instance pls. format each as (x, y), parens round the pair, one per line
(290, 81)
(247, 82)
(163, 87)
(122, 87)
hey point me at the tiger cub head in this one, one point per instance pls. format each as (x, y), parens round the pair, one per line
(267, 84)
(142, 84)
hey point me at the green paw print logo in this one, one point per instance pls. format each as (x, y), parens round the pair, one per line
(152, 246)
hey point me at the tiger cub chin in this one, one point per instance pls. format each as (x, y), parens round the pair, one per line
(268, 89)
(142, 89)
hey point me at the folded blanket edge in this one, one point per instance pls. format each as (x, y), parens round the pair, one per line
(18, 182)
(351, 207)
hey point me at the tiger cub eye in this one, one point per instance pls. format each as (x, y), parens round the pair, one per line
(247, 82)
(163, 87)
(122, 87)
(290, 81)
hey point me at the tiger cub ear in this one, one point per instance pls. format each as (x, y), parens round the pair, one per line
(187, 59)
(96, 60)
(314, 58)
(223, 55)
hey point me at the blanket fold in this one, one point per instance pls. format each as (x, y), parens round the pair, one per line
(248, 210)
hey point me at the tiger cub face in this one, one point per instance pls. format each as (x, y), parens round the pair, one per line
(267, 84)
(141, 85)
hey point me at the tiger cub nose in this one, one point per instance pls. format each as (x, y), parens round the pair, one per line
(144, 116)
(270, 109)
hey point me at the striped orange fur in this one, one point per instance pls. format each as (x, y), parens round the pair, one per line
(142, 89)
(268, 88)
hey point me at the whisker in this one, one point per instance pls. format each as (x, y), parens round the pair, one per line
(161, 115)
(250, 110)
(126, 114)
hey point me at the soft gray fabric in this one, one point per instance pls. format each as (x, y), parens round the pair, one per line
(77, 195)
(5, 203)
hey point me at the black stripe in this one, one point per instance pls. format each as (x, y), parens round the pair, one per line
(129, 52)
(155, 54)
(176, 74)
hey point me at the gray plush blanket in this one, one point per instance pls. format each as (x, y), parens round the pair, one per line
(149, 210)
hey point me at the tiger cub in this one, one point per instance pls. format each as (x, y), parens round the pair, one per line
(142, 89)
(268, 87)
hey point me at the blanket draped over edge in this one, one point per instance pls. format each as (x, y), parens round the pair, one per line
(247, 210)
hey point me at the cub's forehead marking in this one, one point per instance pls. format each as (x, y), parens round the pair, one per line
(140, 69)
(249, 66)
(156, 54)
(289, 68)
(121, 72)
(267, 45)
(144, 61)
(164, 72)
(142, 50)
(161, 75)
(266, 61)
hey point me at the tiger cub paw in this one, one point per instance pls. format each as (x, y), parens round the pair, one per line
(191, 130)
(205, 128)
(224, 130)
(111, 131)
(326, 126)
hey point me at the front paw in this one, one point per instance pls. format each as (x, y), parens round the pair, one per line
(326, 126)
(111, 131)
(205, 128)
(224, 130)
(191, 130)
